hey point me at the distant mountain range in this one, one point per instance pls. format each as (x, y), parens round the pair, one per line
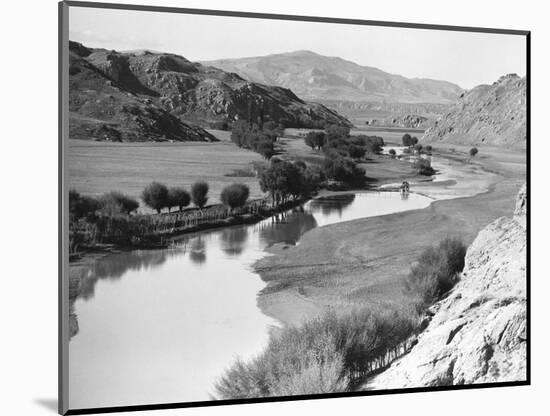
(493, 114)
(144, 95)
(317, 77)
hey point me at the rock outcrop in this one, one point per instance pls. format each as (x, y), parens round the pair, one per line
(488, 114)
(477, 334)
(143, 95)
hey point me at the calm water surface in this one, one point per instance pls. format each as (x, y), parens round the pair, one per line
(160, 326)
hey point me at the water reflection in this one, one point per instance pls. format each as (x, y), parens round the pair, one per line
(233, 240)
(335, 204)
(286, 227)
(197, 252)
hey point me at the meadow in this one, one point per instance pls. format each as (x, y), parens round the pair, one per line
(99, 167)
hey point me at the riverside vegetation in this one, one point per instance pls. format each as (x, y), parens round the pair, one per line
(333, 353)
(114, 219)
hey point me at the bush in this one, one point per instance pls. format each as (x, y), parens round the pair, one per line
(155, 196)
(473, 151)
(115, 203)
(199, 194)
(178, 197)
(234, 196)
(436, 272)
(320, 356)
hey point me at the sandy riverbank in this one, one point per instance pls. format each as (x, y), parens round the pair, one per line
(364, 262)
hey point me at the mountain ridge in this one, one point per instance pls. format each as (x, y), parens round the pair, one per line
(359, 82)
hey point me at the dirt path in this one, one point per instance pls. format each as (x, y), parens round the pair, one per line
(364, 262)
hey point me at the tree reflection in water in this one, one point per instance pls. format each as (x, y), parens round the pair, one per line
(286, 227)
(233, 239)
(197, 252)
(334, 204)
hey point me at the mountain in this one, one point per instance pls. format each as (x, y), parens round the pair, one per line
(488, 114)
(106, 103)
(318, 77)
(477, 334)
(143, 95)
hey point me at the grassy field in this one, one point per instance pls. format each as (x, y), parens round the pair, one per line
(98, 167)
(363, 263)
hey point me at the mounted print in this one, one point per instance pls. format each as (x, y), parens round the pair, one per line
(268, 207)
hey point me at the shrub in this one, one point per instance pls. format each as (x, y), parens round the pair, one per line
(199, 194)
(234, 196)
(473, 151)
(436, 271)
(178, 197)
(320, 356)
(115, 203)
(155, 196)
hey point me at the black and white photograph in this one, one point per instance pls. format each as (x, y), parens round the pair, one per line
(269, 207)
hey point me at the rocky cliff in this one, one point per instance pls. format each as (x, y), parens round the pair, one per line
(142, 95)
(488, 114)
(478, 333)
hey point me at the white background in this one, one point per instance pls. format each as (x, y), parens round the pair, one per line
(28, 212)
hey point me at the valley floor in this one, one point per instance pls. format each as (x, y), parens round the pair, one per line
(363, 263)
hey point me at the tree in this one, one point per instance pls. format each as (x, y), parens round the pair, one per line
(81, 206)
(473, 151)
(407, 139)
(265, 148)
(424, 167)
(428, 148)
(392, 152)
(114, 203)
(414, 140)
(155, 196)
(334, 132)
(199, 194)
(418, 147)
(235, 196)
(342, 169)
(356, 152)
(315, 139)
(178, 197)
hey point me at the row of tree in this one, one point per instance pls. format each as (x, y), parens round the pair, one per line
(337, 138)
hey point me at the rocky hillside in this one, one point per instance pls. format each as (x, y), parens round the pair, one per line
(319, 77)
(144, 95)
(478, 333)
(488, 114)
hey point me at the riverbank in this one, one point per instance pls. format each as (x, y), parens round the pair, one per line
(363, 263)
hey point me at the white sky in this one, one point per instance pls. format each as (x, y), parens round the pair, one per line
(467, 59)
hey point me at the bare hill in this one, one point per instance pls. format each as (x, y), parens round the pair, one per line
(144, 95)
(488, 114)
(319, 77)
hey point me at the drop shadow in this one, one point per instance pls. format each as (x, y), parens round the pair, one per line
(48, 404)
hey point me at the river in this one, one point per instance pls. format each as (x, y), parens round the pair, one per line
(160, 326)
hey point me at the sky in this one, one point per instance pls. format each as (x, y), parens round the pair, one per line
(464, 58)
